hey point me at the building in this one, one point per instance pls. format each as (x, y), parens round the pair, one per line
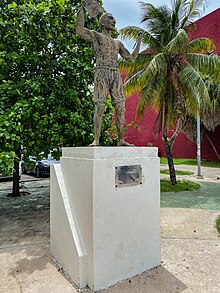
(207, 26)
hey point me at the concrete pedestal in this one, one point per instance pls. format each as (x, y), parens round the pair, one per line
(105, 225)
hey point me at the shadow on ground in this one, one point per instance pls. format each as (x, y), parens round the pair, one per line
(26, 218)
(159, 279)
(28, 260)
(24, 222)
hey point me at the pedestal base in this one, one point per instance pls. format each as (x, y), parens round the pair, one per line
(105, 214)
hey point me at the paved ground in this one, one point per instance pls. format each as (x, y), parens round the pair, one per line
(207, 197)
(209, 174)
(190, 243)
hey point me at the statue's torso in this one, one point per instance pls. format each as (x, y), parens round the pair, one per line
(106, 50)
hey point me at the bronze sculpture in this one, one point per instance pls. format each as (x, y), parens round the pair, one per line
(107, 75)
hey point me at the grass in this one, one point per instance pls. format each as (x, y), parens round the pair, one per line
(191, 162)
(182, 185)
(178, 172)
(218, 224)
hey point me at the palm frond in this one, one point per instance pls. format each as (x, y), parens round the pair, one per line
(152, 84)
(212, 119)
(130, 68)
(152, 14)
(205, 64)
(125, 66)
(151, 42)
(157, 66)
(133, 84)
(148, 11)
(201, 46)
(186, 11)
(194, 86)
(214, 92)
(151, 95)
(193, 10)
(216, 77)
(157, 21)
(179, 8)
(131, 33)
(178, 43)
(158, 124)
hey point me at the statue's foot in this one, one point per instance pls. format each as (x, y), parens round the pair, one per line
(124, 143)
(93, 144)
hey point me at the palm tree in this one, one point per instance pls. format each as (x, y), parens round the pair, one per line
(212, 120)
(209, 120)
(169, 74)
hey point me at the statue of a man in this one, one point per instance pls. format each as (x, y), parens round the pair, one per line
(107, 75)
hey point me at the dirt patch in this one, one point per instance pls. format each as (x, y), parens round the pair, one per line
(25, 219)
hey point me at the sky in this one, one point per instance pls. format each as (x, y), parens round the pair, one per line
(127, 12)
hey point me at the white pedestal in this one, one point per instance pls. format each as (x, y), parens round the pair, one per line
(103, 232)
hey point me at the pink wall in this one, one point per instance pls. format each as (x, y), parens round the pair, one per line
(208, 26)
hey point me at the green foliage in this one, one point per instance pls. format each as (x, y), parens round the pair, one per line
(6, 163)
(193, 162)
(218, 224)
(109, 136)
(178, 172)
(182, 185)
(46, 76)
(109, 133)
(150, 144)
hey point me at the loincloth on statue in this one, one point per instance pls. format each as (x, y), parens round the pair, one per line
(108, 81)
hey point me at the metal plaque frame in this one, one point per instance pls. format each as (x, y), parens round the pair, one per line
(128, 175)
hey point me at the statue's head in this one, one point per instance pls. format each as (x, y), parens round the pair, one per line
(107, 21)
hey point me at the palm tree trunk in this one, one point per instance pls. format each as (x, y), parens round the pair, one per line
(170, 162)
(168, 145)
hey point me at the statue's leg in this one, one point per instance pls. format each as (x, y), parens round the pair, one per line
(100, 96)
(120, 122)
(119, 119)
(97, 120)
(118, 99)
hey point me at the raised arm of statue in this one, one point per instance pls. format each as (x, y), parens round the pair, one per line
(80, 27)
(126, 54)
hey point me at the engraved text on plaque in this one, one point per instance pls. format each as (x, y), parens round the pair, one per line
(128, 175)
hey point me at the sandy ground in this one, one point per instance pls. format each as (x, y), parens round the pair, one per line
(189, 239)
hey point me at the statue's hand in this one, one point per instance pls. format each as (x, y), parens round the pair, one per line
(92, 7)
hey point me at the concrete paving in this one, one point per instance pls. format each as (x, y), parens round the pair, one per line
(209, 174)
(189, 239)
(207, 197)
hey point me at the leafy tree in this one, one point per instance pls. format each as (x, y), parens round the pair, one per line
(169, 73)
(46, 77)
